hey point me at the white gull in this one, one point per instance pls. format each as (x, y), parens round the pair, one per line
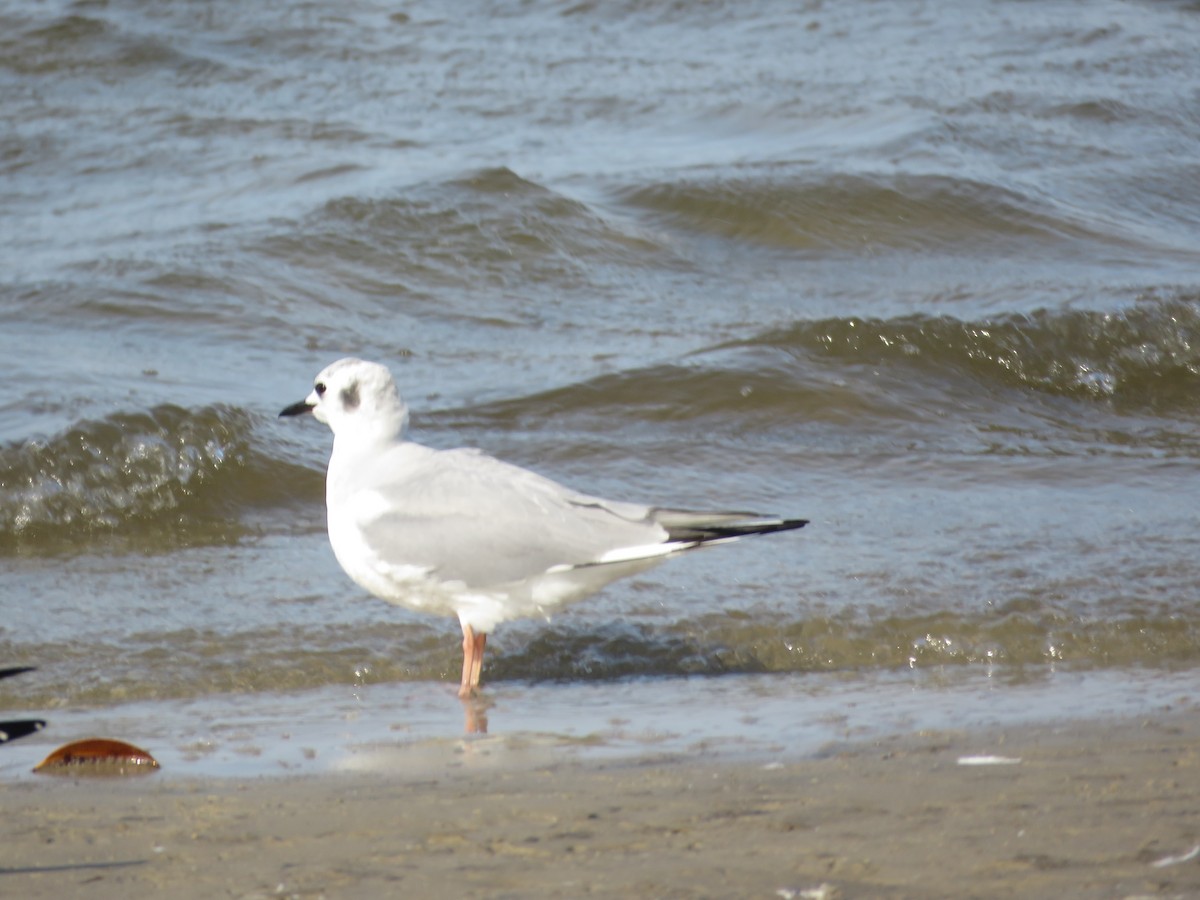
(457, 532)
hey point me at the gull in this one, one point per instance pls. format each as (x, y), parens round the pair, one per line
(458, 532)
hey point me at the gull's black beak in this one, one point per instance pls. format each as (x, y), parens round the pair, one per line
(297, 409)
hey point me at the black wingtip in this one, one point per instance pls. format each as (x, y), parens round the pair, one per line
(722, 532)
(784, 525)
(19, 728)
(10, 731)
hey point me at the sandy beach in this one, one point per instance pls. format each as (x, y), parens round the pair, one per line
(1095, 809)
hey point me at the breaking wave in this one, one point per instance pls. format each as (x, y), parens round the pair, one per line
(171, 470)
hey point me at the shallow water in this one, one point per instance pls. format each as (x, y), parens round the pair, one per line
(925, 276)
(416, 731)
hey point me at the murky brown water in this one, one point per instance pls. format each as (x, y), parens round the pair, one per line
(926, 276)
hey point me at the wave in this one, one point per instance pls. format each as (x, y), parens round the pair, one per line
(169, 475)
(1145, 356)
(1022, 638)
(79, 43)
(821, 213)
(1143, 359)
(177, 475)
(491, 224)
(718, 644)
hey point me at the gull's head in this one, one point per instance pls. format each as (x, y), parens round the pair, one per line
(353, 396)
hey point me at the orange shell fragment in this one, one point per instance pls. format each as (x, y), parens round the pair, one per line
(97, 756)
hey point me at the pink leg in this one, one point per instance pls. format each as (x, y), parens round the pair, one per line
(473, 645)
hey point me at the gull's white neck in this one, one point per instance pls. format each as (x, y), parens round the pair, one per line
(355, 451)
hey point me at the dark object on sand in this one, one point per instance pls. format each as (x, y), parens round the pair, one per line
(18, 728)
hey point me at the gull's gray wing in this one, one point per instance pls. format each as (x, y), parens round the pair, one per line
(469, 517)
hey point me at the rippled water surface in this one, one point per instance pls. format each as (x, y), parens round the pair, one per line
(927, 275)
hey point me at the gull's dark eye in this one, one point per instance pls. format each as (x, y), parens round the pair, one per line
(320, 388)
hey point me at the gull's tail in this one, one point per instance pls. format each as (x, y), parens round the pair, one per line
(687, 530)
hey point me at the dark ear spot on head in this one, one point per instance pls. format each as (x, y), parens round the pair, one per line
(350, 398)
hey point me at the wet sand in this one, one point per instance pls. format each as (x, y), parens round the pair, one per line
(1096, 809)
